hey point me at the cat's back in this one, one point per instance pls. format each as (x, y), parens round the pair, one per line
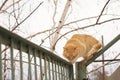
(84, 38)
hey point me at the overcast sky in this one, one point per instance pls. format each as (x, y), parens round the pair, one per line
(80, 9)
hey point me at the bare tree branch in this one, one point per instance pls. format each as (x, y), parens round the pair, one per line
(27, 17)
(86, 27)
(55, 3)
(102, 11)
(93, 17)
(2, 11)
(15, 16)
(31, 36)
(47, 37)
(72, 22)
(3, 4)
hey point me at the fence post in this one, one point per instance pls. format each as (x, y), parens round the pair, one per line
(80, 70)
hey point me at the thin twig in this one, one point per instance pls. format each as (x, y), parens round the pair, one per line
(54, 14)
(102, 11)
(5, 10)
(3, 4)
(72, 22)
(16, 18)
(39, 33)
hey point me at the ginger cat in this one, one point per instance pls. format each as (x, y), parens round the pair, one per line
(81, 45)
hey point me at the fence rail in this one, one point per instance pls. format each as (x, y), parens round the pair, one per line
(21, 59)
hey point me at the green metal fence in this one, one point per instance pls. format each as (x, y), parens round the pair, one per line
(21, 59)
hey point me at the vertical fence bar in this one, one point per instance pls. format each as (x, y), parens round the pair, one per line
(59, 70)
(35, 65)
(49, 68)
(29, 65)
(0, 59)
(45, 66)
(71, 73)
(12, 60)
(67, 72)
(63, 72)
(41, 71)
(21, 65)
(55, 71)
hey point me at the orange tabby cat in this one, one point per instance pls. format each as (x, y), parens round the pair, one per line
(81, 45)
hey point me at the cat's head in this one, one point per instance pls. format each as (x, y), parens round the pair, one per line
(71, 52)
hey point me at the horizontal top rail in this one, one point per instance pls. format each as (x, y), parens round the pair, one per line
(103, 49)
